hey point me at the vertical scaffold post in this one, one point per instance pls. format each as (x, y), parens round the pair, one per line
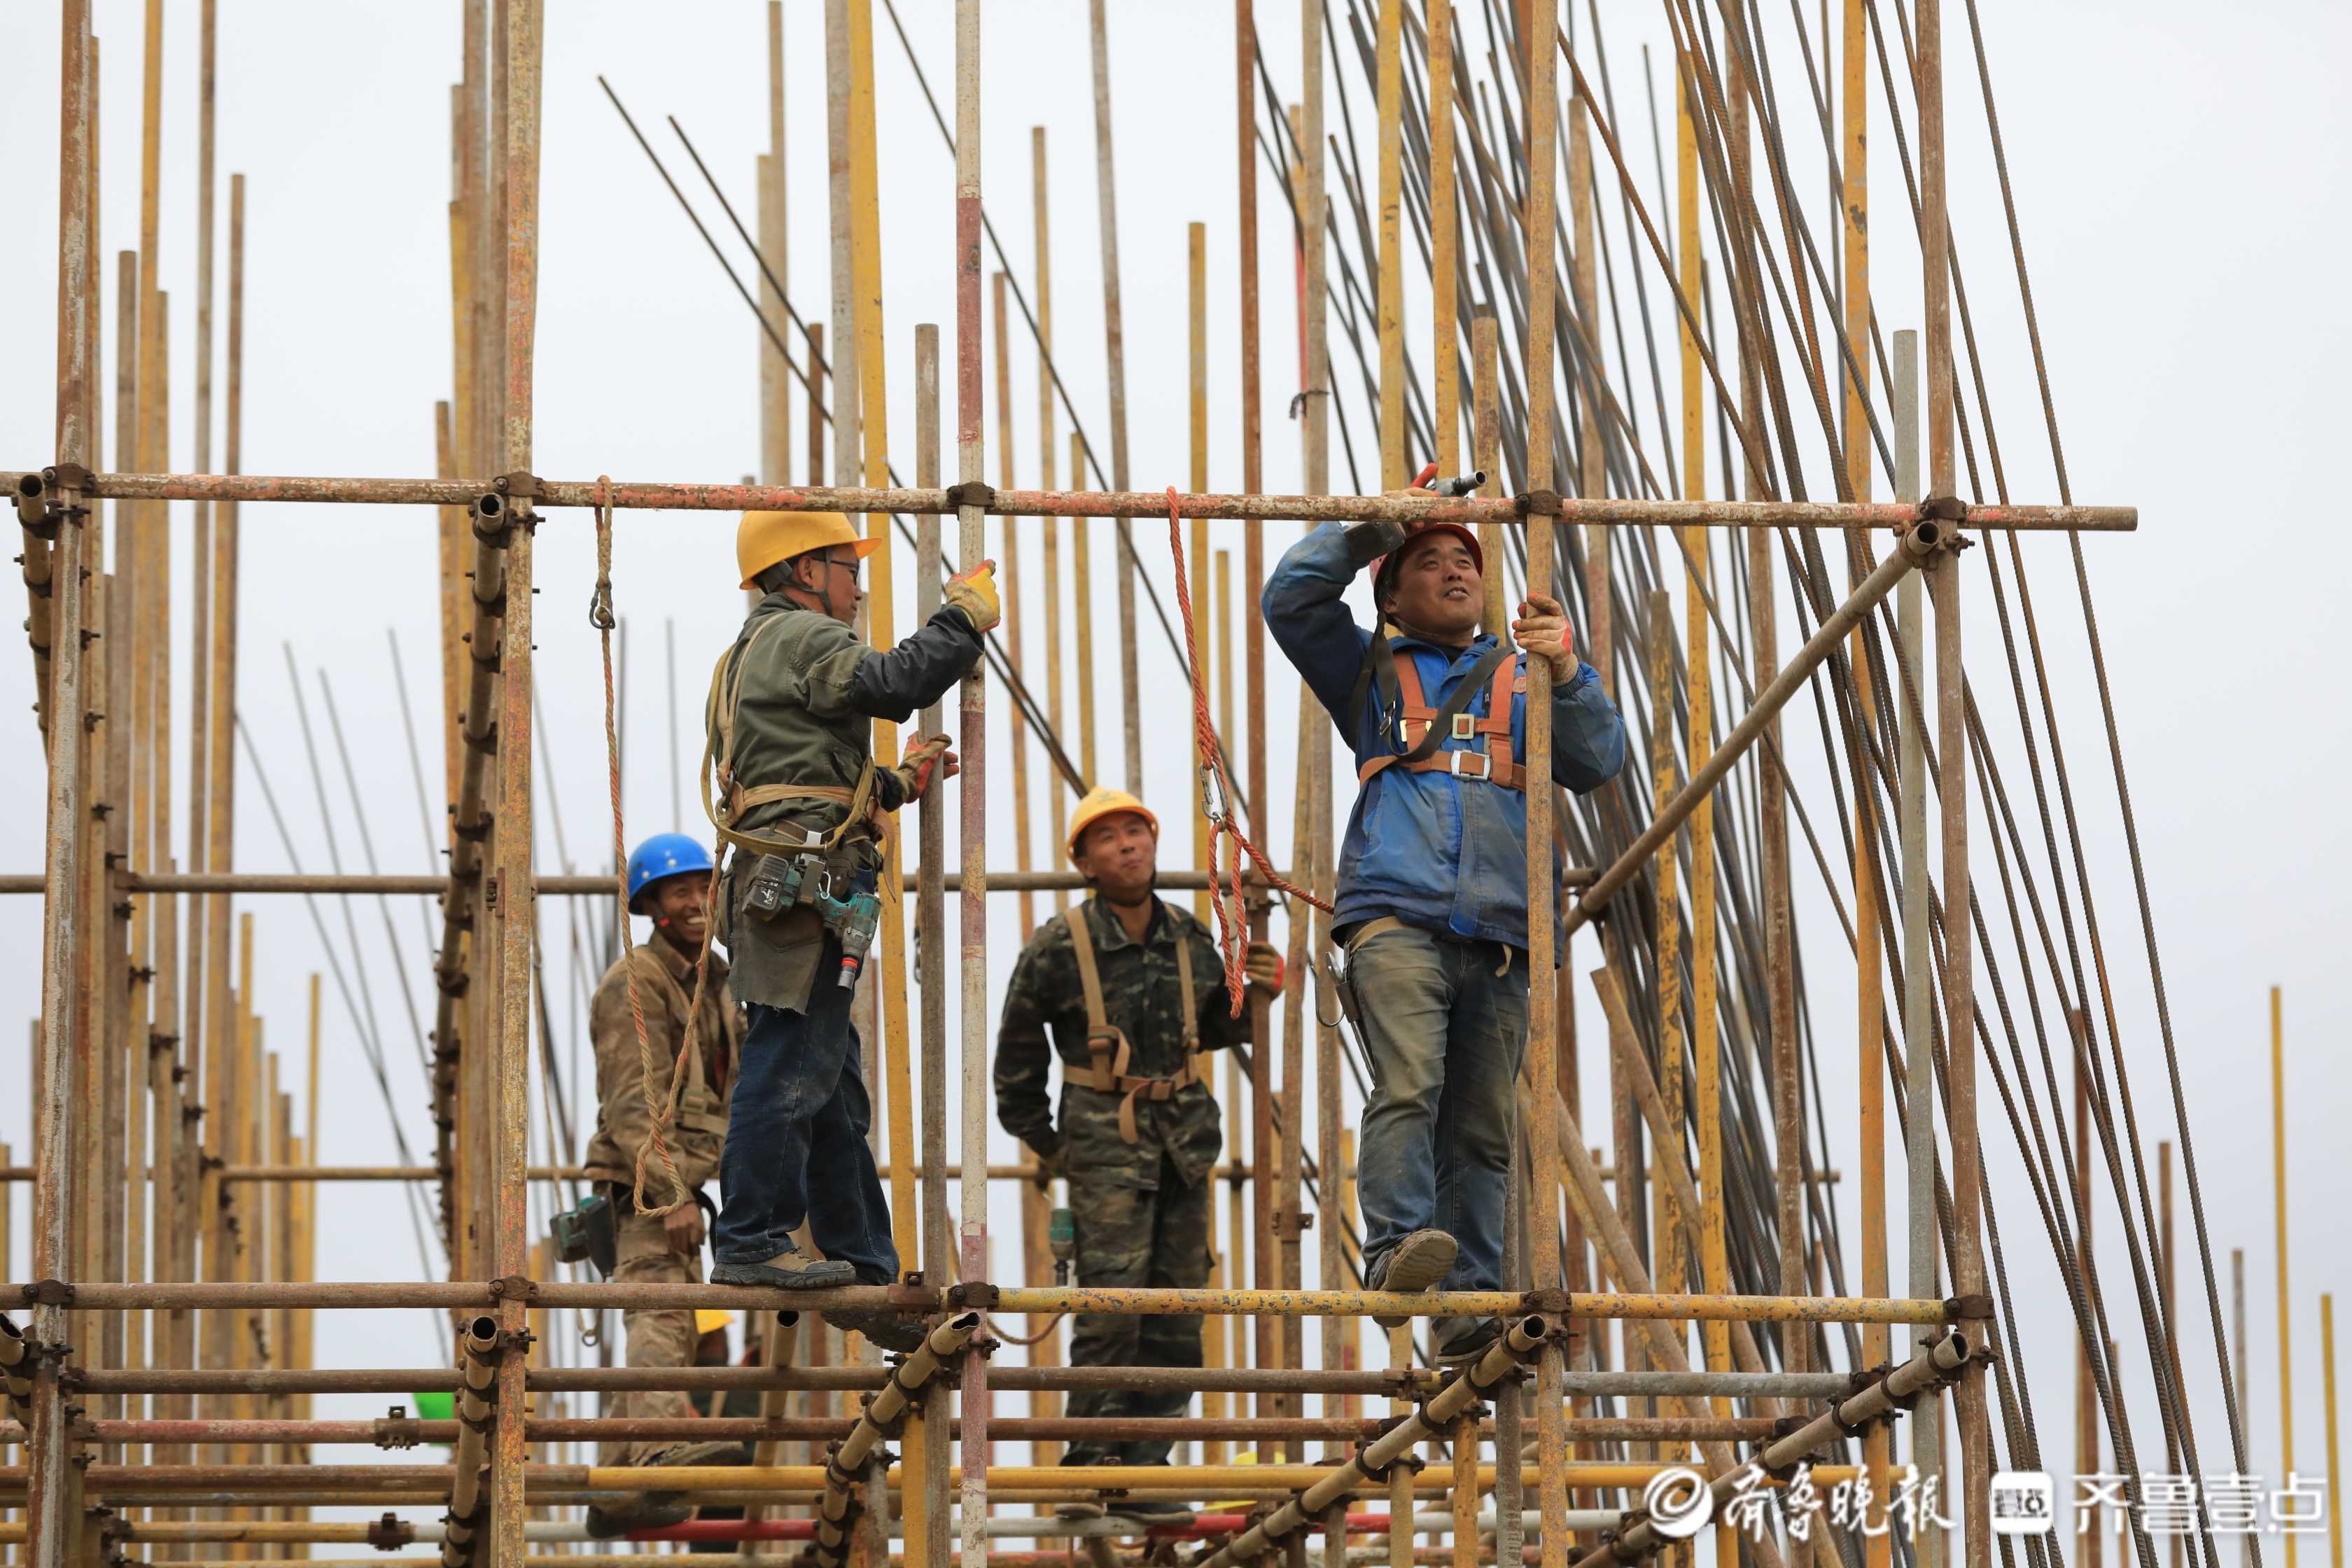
(969, 544)
(516, 905)
(1542, 1071)
(1951, 727)
(54, 1511)
(927, 1434)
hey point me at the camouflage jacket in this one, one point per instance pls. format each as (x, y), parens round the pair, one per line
(665, 987)
(1143, 999)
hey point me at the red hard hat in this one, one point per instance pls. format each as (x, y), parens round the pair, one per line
(1468, 537)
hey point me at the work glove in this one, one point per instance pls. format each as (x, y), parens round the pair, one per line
(974, 593)
(924, 761)
(1543, 631)
(1263, 966)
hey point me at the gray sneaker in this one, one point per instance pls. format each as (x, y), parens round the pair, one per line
(788, 1271)
(1419, 1262)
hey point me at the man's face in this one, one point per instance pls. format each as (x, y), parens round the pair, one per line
(1120, 854)
(1435, 590)
(833, 576)
(680, 908)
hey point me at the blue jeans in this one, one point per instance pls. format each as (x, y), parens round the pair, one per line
(1446, 1034)
(800, 1109)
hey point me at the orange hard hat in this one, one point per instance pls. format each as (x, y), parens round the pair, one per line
(1100, 802)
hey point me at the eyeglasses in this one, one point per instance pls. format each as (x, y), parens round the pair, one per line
(855, 567)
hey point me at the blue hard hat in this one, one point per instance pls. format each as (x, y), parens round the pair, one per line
(663, 855)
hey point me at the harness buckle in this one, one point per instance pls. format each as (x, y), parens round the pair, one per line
(1466, 726)
(1486, 767)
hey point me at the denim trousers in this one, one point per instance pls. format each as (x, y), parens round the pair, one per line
(1445, 1033)
(796, 1147)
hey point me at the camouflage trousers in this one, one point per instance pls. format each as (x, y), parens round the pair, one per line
(655, 1339)
(1130, 1236)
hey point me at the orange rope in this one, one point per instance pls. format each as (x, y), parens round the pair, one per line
(1221, 817)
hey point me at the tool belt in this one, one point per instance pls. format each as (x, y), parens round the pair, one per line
(1107, 1051)
(733, 799)
(1422, 730)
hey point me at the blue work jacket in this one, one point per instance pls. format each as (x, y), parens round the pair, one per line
(1445, 853)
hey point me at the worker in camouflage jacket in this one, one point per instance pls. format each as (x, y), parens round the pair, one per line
(669, 881)
(804, 807)
(1130, 992)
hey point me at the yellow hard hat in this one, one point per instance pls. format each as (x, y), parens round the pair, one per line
(707, 1319)
(1100, 802)
(764, 538)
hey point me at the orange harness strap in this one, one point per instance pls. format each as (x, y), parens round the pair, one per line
(1493, 762)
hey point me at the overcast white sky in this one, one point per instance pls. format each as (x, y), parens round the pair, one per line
(2179, 174)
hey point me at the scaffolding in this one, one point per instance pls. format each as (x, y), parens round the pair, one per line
(107, 1408)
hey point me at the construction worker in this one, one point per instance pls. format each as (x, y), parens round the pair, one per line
(1432, 900)
(669, 882)
(1133, 993)
(791, 723)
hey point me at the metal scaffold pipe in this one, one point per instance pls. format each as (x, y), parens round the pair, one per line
(480, 1363)
(1939, 1364)
(1430, 1421)
(979, 497)
(883, 1416)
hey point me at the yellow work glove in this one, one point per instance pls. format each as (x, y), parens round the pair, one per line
(1263, 968)
(974, 593)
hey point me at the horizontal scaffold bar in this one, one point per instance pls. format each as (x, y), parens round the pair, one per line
(704, 1379)
(388, 1432)
(1146, 1302)
(579, 887)
(1194, 1480)
(1107, 503)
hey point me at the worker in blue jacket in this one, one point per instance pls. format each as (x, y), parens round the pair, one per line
(1433, 899)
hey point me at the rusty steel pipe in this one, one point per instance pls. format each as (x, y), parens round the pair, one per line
(576, 887)
(1918, 544)
(401, 1433)
(480, 1368)
(1522, 1339)
(1468, 510)
(1940, 1365)
(1149, 1301)
(883, 1416)
(704, 1379)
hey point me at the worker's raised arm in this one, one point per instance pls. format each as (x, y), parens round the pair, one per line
(830, 671)
(1588, 737)
(1311, 623)
(1025, 1055)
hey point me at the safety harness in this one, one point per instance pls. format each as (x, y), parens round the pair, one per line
(1422, 730)
(1107, 1051)
(734, 800)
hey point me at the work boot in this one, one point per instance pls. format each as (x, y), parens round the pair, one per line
(1419, 1262)
(885, 1326)
(1456, 1342)
(1086, 1454)
(653, 1510)
(787, 1270)
(1148, 1510)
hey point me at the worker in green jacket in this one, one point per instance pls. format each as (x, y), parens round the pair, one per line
(791, 724)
